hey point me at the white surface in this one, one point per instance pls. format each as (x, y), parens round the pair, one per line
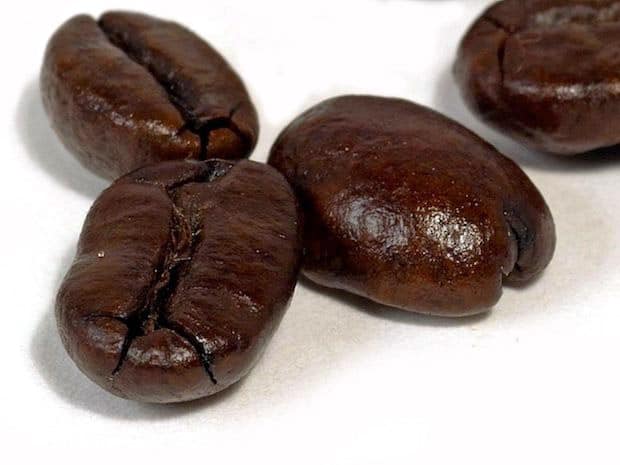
(343, 381)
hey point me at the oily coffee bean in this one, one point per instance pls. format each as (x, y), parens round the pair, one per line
(408, 208)
(182, 273)
(130, 89)
(546, 72)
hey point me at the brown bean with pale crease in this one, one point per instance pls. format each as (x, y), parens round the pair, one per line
(130, 89)
(182, 274)
(410, 209)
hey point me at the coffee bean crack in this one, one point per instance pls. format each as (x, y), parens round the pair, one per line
(522, 236)
(577, 15)
(202, 126)
(151, 314)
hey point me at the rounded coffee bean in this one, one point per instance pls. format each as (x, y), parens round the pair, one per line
(409, 208)
(182, 273)
(131, 89)
(546, 72)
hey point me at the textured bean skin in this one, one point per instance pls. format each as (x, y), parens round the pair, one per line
(130, 89)
(546, 72)
(183, 271)
(410, 209)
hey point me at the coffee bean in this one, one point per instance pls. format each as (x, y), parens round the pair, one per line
(410, 209)
(182, 273)
(546, 72)
(131, 89)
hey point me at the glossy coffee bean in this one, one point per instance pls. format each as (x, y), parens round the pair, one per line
(546, 72)
(410, 209)
(182, 274)
(129, 90)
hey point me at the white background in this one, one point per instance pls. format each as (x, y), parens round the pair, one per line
(343, 381)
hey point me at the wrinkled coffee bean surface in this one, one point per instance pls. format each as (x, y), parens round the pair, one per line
(547, 72)
(130, 90)
(183, 271)
(409, 208)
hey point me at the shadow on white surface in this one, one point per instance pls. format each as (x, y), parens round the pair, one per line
(448, 101)
(395, 315)
(66, 381)
(45, 149)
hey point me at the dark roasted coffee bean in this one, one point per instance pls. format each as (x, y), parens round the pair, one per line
(546, 72)
(183, 272)
(131, 89)
(409, 208)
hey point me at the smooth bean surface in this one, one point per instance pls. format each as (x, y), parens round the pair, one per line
(408, 208)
